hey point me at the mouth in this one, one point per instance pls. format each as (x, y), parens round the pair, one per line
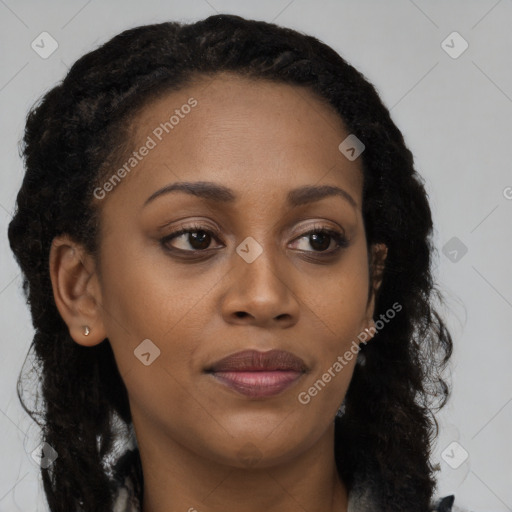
(258, 374)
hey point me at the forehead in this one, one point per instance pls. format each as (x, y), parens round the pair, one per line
(246, 133)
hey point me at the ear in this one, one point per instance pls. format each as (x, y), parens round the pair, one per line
(76, 290)
(378, 256)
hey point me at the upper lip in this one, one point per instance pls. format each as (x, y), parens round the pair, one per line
(252, 360)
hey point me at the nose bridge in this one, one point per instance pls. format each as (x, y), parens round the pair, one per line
(257, 262)
(257, 288)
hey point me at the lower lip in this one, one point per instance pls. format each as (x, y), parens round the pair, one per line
(258, 384)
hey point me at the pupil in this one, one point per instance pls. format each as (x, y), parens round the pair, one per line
(323, 236)
(201, 239)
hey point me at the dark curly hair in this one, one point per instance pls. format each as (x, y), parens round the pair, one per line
(81, 127)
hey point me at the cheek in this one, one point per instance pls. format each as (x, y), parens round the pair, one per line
(339, 310)
(146, 298)
(340, 303)
(145, 302)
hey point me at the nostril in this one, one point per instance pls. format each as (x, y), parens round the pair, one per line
(240, 314)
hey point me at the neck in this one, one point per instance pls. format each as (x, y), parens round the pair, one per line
(178, 479)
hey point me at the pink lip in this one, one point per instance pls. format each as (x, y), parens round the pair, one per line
(252, 360)
(258, 374)
(257, 384)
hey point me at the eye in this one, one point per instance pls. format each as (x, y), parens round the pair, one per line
(197, 237)
(321, 238)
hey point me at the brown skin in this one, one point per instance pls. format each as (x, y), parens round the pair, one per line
(260, 139)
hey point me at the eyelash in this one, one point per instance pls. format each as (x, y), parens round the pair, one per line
(342, 242)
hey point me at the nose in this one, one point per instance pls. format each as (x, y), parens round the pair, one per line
(260, 293)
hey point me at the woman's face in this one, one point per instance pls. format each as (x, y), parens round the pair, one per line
(258, 281)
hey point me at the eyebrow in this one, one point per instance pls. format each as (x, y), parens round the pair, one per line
(222, 194)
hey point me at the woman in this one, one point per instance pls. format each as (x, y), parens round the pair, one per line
(227, 251)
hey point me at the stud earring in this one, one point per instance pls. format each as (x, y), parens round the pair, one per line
(86, 330)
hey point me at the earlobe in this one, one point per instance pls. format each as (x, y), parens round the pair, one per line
(76, 290)
(370, 330)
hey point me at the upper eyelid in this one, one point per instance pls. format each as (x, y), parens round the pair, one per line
(184, 230)
(317, 226)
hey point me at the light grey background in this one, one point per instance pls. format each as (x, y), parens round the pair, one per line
(455, 114)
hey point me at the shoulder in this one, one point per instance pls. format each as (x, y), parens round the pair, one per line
(125, 500)
(447, 504)
(127, 470)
